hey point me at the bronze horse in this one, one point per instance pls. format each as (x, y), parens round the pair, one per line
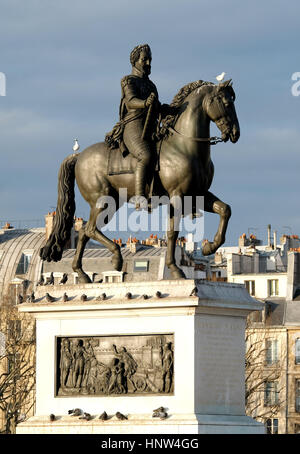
(185, 169)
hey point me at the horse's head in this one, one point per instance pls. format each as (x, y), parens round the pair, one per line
(219, 105)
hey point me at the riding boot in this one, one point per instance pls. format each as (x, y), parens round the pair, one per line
(140, 177)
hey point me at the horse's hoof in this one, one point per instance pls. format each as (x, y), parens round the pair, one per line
(208, 249)
(117, 263)
(83, 279)
(178, 274)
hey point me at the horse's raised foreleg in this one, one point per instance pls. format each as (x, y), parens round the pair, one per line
(92, 232)
(77, 261)
(214, 205)
(172, 235)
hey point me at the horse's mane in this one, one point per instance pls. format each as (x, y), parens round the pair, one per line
(173, 110)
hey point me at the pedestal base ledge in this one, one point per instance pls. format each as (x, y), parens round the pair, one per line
(143, 424)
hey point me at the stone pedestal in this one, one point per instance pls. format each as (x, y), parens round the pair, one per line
(207, 328)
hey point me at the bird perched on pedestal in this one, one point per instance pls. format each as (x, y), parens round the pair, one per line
(75, 412)
(220, 77)
(103, 416)
(50, 280)
(128, 296)
(86, 416)
(120, 416)
(52, 417)
(194, 292)
(145, 297)
(158, 294)
(30, 298)
(160, 412)
(65, 297)
(83, 297)
(63, 279)
(101, 297)
(76, 145)
(49, 298)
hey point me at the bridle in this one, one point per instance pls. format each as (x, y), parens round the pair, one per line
(211, 140)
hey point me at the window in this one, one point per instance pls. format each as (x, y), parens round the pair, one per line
(297, 395)
(273, 287)
(250, 286)
(297, 351)
(141, 265)
(272, 426)
(23, 264)
(271, 393)
(271, 351)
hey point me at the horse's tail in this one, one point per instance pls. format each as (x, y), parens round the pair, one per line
(63, 222)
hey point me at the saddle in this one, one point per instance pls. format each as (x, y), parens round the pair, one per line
(120, 161)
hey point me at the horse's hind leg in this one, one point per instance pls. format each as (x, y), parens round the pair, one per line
(214, 205)
(92, 232)
(77, 261)
(172, 235)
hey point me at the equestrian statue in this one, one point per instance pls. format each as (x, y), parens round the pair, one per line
(154, 149)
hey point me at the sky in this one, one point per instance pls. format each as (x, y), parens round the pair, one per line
(63, 62)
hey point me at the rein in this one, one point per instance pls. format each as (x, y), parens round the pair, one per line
(211, 140)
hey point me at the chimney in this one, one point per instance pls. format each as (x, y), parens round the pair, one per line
(269, 235)
(275, 239)
(293, 274)
(49, 223)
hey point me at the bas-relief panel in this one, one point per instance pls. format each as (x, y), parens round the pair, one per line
(115, 365)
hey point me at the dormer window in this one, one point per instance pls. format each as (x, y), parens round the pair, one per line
(141, 265)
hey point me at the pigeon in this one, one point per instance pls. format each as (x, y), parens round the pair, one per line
(83, 297)
(86, 416)
(50, 280)
(103, 416)
(41, 281)
(145, 297)
(52, 417)
(30, 298)
(220, 77)
(21, 299)
(63, 279)
(158, 294)
(194, 292)
(160, 413)
(76, 145)
(75, 412)
(65, 297)
(128, 295)
(49, 298)
(101, 297)
(120, 416)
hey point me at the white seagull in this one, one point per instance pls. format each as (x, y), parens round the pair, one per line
(220, 77)
(76, 145)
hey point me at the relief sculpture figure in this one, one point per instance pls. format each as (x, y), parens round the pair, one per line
(167, 367)
(130, 365)
(66, 360)
(79, 361)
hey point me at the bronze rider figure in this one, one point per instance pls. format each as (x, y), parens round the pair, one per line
(139, 111)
